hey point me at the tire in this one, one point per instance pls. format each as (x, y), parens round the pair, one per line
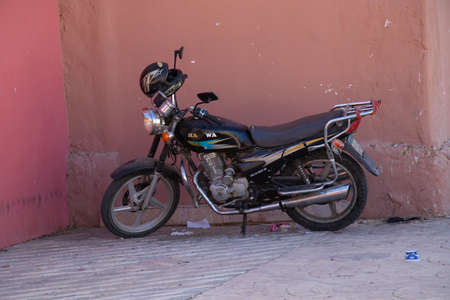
(115, 195)
(356, 204)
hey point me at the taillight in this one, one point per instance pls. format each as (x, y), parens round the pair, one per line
(354, 126)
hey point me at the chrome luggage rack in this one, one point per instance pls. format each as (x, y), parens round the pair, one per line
(364, 108)
(353, 111)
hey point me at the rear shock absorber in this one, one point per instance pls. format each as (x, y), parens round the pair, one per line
(301, 171)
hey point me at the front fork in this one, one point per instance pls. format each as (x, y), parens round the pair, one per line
(151, 190)
(160, 163)
(154, 147)
(164, 152)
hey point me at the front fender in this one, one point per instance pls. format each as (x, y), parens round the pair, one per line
(144, 164)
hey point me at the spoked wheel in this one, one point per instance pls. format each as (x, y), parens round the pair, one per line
(336, 214)
(129, 211)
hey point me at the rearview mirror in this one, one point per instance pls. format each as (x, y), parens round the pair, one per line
(207, 97)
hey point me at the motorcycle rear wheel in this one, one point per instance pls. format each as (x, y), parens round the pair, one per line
(122, 205)
(337, 214)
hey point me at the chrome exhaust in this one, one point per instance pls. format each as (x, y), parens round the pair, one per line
(185, 182)
(324, 196)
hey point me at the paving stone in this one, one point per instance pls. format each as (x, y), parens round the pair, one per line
(365, 260)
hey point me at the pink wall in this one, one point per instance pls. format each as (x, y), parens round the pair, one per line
(33, 122)
(438, 71)
(268, 63)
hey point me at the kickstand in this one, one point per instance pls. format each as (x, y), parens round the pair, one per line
(244, 224)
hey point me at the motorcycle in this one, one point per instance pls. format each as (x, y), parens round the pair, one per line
(310, 168)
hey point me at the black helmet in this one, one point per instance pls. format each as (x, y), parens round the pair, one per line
(158, 77)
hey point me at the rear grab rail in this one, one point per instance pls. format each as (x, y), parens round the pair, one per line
(352, 111)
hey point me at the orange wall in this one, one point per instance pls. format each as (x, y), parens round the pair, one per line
(34, 136)
(269, 62)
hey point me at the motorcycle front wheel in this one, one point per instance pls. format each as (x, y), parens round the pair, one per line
(337, 214)
(123, 210)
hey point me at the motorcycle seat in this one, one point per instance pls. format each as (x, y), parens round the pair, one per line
(295, 131)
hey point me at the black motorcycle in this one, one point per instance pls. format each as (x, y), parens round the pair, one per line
(309, 168)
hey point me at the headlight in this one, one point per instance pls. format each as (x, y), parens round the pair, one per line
(153, 122)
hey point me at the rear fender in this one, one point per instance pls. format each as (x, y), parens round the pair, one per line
(144, 164)
(353, 149)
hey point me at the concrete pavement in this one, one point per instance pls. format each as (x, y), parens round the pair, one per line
(364, 261)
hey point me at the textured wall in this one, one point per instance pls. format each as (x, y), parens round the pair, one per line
(437, 42)
(33, 122)
(268, 63)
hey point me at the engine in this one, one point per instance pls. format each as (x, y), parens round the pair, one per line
(223, 185)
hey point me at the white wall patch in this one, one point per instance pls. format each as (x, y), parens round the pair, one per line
(387, 23)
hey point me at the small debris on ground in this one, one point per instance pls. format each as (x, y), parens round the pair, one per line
(279, 227)
(177, 233)
(298, 227)
(412, 255)
(400, 219)
(204, 224)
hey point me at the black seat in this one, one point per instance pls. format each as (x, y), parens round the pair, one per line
(289, 133)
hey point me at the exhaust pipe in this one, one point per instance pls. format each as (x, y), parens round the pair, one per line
(324, 196)
(185, 182)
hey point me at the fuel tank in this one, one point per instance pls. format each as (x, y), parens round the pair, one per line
(212, 133)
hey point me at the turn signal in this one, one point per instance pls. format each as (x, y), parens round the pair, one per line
(338, 144)
(166, 136)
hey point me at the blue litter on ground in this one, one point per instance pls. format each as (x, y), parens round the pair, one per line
(412, 255)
